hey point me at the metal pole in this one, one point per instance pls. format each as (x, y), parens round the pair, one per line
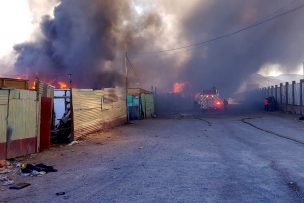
(71, 108)
(126, 81)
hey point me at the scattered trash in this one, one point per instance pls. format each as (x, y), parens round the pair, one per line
(35, 170)
(140, 147)
(5, 180)
(19, 186)
(74, 142)
(60, 193)
(4, 163)
(7, 183)
(5, 171)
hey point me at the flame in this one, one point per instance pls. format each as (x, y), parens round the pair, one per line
(33, 86)
(62, 85)
(178, 87)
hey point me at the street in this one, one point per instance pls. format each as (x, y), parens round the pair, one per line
(179, 158)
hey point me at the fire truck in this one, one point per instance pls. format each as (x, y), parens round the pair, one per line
(210, 100)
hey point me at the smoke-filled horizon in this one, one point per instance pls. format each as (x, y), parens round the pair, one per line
(88, 39)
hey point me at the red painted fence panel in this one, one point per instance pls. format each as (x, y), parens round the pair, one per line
(46, 122)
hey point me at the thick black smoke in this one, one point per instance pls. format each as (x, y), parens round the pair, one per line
(88, 38)
(85, 38)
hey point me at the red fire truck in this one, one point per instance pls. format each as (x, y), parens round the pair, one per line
(211, 100)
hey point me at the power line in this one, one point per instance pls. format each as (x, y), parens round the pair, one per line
(229, 34)
(133, 68)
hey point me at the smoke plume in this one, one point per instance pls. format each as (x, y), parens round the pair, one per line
(88, 39)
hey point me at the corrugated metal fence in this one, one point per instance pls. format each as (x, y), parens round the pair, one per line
(289, 96)
(94, 110)
(19, 120)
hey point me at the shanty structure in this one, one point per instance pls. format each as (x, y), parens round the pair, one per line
(21, 124)
(140, 104)
(27, 116)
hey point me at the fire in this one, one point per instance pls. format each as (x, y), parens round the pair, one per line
(62, 85)
(178, 87)
(33, 86)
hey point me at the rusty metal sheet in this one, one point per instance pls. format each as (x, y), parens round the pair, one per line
(13, 83)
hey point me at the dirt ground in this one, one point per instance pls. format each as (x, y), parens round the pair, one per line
(181, 158)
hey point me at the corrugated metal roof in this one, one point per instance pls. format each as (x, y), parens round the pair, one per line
(137, 91)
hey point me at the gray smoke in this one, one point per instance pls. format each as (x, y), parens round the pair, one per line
(231, 61)
(85, 39)
(88, 39)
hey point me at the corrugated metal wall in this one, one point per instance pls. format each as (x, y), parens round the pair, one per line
(18, 122)
(22, 123)
(149, 105)
(3, 122)
(94, 110)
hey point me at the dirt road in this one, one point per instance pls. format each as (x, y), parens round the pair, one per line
(181, 159)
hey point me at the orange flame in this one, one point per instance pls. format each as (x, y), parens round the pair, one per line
(33, 86)
(62, 85)
(178, 87)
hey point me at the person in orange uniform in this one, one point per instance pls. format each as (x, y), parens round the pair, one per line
(266, 104)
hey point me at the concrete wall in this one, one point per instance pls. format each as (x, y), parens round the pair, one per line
(289, 96)
(95, 110)
(19, 122)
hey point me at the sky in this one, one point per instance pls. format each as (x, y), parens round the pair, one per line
(51, 38)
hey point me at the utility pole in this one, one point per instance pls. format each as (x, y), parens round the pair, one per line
(126, 84)
(303, 70)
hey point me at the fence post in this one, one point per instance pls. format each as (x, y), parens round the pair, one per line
(281, 93)
(301, 96)
(276, 93)
(293, 86)
(286, 92)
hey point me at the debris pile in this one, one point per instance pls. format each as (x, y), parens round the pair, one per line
(35, 170)
(9, 169)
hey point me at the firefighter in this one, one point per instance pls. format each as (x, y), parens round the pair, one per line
(266, 104)
(225, 104)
